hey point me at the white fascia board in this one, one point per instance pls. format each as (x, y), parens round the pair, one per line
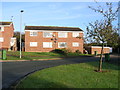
(98, 47)
(5, 25)
(53, 31)
(11, 23)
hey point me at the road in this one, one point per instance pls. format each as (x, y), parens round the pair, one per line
(13, 71)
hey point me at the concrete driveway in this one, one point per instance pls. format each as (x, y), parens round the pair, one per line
(14, 71)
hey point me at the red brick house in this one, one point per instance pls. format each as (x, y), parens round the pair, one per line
(6, 35)
(48, 38)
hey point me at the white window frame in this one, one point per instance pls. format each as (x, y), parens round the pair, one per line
(47, 43)
(12, 42)
(2, 28)
(1, 39)
(75, 44)
(61, 43)
(65, 33)
(33, 45)
(75, 34)
(31, 33)
(49, 36)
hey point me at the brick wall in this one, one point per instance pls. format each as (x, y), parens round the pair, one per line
(40, 39)
(7, 34)
(92, 49)
(105, 50)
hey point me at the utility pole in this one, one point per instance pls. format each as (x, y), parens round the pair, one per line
(20, 31)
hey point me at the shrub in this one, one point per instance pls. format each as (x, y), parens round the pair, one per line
(78, 51)
(66, 50)
(62, 51)
(58, 51)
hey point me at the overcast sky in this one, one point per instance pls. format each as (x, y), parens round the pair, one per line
(68, 14)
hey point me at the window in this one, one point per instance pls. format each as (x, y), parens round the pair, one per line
(75, 44)
(62, 44)
(47, 34)
(33, 33)
(12, 42)
(47, 44)
(75, 34)
(33, 44)
(62, 34)
(1, 28)
(1, 39)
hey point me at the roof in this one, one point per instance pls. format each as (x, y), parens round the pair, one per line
(5, 23)
(52, 28)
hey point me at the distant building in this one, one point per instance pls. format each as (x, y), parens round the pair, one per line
(6, 35)
(48, 38)
(92, 49)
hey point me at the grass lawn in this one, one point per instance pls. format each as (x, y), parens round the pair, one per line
(37, 55)
(73, 76)
(31, 55)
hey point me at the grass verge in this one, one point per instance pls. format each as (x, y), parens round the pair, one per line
(31, 55)
(37, 55)
(73, 76)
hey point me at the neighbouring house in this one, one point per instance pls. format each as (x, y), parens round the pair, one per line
(48, 38)
(92, 49)
(6, 36)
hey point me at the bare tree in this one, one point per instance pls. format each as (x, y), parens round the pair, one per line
(108, 13)
(102, 31)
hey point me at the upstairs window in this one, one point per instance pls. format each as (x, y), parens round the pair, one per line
(33, 33)
(62, 34)
(75, 34)
(47, 34)
(62, 44)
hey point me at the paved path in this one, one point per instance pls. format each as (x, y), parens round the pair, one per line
(14, 71)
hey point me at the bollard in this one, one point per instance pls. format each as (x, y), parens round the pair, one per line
(107, 57)
(4, 54)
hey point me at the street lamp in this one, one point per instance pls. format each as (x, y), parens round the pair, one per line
(20, 30)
